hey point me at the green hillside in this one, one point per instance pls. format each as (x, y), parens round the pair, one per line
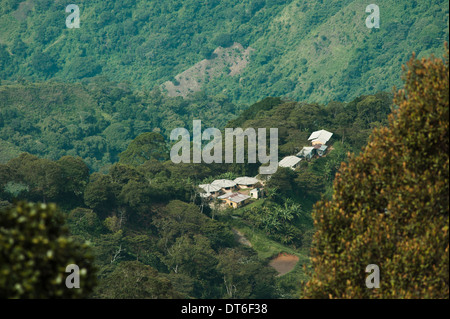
(305, 50)
(96, 119)
(86, 116)
(146, 216)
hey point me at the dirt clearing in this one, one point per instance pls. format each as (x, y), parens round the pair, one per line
(284, 263)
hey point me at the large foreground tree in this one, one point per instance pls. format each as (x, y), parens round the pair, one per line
(390, 205)
(35, 252)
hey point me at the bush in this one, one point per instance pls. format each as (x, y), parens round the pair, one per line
(390, 204)
(35, 251)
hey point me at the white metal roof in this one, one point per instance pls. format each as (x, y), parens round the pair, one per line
(235, 197)
(305, 150)
(223, 183)
(209, 188)
(246, 180)
(289, 161)
(321, 136)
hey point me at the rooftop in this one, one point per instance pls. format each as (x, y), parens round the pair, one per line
(289, 161)
(320, 136)
(305, 151)
(246, 180)
(209, 188)
(223, 183)
(235, 197)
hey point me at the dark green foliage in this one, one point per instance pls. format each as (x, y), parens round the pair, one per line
(44, 64)
(101, 193)
(82, 67)
(244, 276)
(150, 42)
(74, 175)
(223, 40)
(134, 280)
(145, 147)
(62, 181)
(284, 223)
(283, 180)
(35, 250)
(96, 120)
(248, 114)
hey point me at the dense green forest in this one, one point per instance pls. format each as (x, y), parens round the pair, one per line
(95, 119)
(144, 214)
(86, 178)
(312, 51)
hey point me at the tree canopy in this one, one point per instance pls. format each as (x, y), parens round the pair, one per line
(390, 204)
(36, 249)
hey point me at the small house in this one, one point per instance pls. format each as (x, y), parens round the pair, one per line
(290, 162)
(210, 190)
(246, 182)
(235, 200)
(322, 150)
(320, 137)
(257, 193)
(307, 152)
(225, 184)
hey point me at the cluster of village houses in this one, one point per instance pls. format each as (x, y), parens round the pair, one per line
(238, 192)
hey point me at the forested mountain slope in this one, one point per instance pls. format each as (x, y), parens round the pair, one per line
(314, 51)
(145, 218)
(96, 119)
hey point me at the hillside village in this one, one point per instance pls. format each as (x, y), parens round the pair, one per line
(240, 191)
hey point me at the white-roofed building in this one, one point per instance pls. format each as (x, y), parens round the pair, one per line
(320, 137)
(290, 161)
(210, 188)
(246, 181)
(235, 199)
(322, 150)
(256, 193)
(307, 152)
(225, 184)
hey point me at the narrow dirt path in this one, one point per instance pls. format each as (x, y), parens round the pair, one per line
(241, 238)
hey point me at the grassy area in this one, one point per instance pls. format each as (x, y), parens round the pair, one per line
(289, 285)
(263, 245)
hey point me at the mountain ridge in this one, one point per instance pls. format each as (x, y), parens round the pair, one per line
(304, 50)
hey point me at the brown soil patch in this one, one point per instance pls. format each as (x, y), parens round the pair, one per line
(228, 61)
(284, 263)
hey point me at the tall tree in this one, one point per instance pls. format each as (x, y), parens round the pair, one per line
(145, 147)
(75, 174)
(35, 251)
(390, 205)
